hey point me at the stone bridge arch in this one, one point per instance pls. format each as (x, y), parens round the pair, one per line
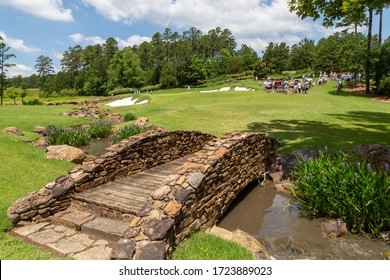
(193, 197)
(197, 195)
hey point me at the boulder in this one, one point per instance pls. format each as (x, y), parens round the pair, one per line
(142, 121)
(376, 153)
(65, 152)
(40, 129)
(12, 130)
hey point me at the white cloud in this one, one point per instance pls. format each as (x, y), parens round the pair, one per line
(47, 9)
(80, 38)
(132, 40)
(20, 69)
(256, 21)
(18, 44)
(94, 40)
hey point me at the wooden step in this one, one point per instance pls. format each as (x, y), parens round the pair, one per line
(129, 194)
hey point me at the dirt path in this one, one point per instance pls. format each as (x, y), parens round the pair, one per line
(361, 89)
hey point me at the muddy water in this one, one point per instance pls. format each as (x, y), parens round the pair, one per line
(98, 146)
(266, 214)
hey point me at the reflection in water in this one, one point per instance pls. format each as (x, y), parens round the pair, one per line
(266, 214)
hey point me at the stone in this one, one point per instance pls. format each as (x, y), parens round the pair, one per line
(39, 129)
(151, 251)
(123, 250)
(156, 229)
(386, 254)
(13, 130)
(252, 244)
(194, 179)
(142, 121)
(376, 153)
(172, 209)
(131, 232)
(41, 143)
(161, 192)
(66, 153)
(181, 194)
(334, 228)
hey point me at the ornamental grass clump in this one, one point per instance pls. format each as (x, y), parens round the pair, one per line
(126, 132)
(58, 135)
(342, 186)
(100, 129)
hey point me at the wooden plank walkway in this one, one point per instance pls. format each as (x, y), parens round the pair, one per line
(129, 194)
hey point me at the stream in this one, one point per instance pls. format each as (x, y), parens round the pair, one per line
(267, 215)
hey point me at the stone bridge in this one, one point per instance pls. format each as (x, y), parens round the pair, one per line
(145, 195)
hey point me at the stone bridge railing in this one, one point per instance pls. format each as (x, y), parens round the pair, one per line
(196, 196)
(130, 156)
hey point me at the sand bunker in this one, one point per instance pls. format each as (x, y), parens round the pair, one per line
(228, 89)
(129, 101)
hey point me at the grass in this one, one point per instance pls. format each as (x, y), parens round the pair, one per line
(201, 246)
(315, 120)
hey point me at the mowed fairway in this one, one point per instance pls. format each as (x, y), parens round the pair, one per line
(295, 120)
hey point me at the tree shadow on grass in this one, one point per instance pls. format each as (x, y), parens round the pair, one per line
(363, 128)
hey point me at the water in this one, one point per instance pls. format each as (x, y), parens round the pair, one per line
(98, 146)
(266, 214)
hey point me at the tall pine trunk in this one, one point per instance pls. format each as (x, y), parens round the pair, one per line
(380, 26)
(368, 62)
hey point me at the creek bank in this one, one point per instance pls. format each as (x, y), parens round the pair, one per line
(281, 172)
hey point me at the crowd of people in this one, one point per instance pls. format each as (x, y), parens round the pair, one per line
(302, 86)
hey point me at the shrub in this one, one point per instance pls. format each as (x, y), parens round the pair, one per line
(57, 135)
(100, 129)
(33, 102)
(384, 86)
(118, 91)
(126, 132)
(346, 187)
(68, 92)
(130, 117)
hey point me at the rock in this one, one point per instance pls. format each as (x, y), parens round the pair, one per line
(39, 129)
(334, 228)
(375, 153)
(194, 179)
(157, 229)
(386, 254)
(172, 209)
(385, 235)
(151, 251)
(41, 143)
(12, 130)
(123, 249)
(65, 152)
(142, 121)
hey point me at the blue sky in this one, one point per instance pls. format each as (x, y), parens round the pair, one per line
(49, 27)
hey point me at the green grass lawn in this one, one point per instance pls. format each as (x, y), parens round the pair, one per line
(314, 120)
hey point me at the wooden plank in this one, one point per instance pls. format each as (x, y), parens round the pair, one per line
(125, 205)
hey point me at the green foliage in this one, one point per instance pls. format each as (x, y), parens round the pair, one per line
(384, 86)
(202, 246)
(130, 117)
(33, 102)
(118, 91)
(126, 132)
(58, 135)
(346, 187)
(68, 92)
(100, 129)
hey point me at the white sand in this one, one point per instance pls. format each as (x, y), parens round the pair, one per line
(228, 88)
(129, 101)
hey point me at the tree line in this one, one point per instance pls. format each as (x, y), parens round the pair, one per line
(171, 60)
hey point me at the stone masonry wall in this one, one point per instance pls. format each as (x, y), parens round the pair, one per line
(195, 196)
(130, 156)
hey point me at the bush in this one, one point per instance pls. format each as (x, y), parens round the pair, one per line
(126, 132)
(68, 92)
(100, 129)
(384, 86)
(57, 135)
(33, 102)
(129, 117)
(118, 91)
(346, 187)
